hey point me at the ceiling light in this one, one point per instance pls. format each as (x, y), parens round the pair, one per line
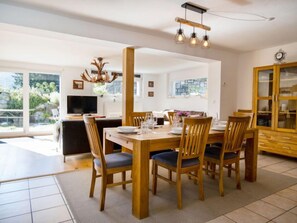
(205, 41)
(101, 76)
(194, 41)
(180, 37)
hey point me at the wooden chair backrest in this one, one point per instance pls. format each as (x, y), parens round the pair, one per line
(193, 139)
(136, 118)
(170, 117)
(94, 140)
(234, 133)
(250, 114)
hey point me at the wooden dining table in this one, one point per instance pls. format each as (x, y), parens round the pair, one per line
(158, 139)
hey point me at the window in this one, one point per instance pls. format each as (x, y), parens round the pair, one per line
(115, 87)
(190, 87)
(29, 102)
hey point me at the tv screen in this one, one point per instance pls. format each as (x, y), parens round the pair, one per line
(81, 104)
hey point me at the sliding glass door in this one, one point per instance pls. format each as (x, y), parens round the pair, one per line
(11, 102)
(29, 102)
(43, 101)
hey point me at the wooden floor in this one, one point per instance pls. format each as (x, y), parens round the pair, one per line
(33, 157)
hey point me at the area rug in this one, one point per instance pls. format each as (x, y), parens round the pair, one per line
(75, 186)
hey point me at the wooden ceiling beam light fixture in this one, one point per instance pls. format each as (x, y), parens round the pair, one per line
(101, 76)
(180, 36)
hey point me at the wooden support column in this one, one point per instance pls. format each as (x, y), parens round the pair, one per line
(128, 84)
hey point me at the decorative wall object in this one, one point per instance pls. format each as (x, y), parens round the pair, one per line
(78, 84)
(151, 94)
(151, 84)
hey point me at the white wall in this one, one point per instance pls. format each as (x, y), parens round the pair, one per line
(248, 61)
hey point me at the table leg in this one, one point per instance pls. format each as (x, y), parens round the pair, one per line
(108, 148)
(140, 180)
(251, 157)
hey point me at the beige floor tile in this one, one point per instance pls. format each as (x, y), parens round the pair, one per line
(41, 182)
(265, 209)
(287, 217)
(291, 173)
(57, 214)
(44, 191)
(26, 218)
(221, 219)
(280, 167)
(280, 201)
(294, 210)
(14, 186)
(11, 197)
(47, 202)
(14, 209)
(243, 215)
(293, 187)
(288, 193)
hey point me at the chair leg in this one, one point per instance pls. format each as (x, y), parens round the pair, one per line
(155, 172)
(201, 187)
(93, 181)
(178, 191)
(124, 179)
(169, 174)
(221, 180)
(237, 172)
(103, 191)
(213, 170)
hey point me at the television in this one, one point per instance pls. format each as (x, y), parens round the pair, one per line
(81, 104)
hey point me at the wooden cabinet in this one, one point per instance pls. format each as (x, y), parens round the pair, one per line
(275, 105)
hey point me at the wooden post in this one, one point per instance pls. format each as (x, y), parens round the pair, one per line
(128, 84)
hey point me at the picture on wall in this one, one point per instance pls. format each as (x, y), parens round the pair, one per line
(151, 84)
(78, 84)
(151, 94)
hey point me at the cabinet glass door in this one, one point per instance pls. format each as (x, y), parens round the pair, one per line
(287, 97)
(265, 97)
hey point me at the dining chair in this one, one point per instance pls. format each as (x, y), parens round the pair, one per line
(171, 117)
(229, 152)
(136, 118)
(104, 165)
(188, 159)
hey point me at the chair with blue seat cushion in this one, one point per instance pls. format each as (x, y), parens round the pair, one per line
(189, 157)
(104, 165)
(229, 152)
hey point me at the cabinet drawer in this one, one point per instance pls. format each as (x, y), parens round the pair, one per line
(278, 136)
(278, 147)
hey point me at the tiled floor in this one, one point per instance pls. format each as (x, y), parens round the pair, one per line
(41, 200)
(33, 200)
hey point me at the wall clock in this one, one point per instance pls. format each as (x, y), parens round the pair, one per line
(280, 55)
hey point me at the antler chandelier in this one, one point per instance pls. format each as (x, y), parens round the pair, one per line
(101, 76)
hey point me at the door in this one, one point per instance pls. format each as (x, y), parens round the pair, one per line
(286, 103)
(264, 78)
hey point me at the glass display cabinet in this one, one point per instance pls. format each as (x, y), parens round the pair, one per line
(275, 105)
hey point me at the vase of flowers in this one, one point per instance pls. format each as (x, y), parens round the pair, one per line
(182, 115)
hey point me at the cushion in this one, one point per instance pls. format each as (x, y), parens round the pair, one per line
(170, 158)
(214, 152)
(114, 160)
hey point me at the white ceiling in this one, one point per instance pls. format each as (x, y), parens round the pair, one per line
(155, 16)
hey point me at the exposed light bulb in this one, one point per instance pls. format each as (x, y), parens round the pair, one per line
(194, 40)
(205, 41)
(180, 36)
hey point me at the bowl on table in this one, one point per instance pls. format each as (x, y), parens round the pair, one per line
(176, 130)
(127, 129)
